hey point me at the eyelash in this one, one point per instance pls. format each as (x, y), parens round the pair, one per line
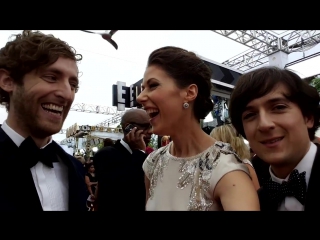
(50, 76)
(281, 107)
(247, 115)
(277, 108)
(152, 85)
(54, 78)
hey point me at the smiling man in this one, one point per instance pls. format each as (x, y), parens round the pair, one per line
(278, 113)
(38, 82)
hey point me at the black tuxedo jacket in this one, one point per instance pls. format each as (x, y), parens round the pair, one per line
(312, 203)
(120, 179)
(17, 188)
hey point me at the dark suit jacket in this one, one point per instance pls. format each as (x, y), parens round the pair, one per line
(261, 168)
(17, 189)
(312, 203)
(120, 179)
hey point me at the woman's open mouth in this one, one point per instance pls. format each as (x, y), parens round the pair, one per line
(152, 112)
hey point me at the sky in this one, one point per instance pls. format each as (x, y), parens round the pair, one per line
(103, 65)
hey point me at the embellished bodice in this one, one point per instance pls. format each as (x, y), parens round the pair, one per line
(188, 183)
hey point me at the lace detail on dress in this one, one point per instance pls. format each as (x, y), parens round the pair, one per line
(198, 173)
(227, 149)
(155, 168)
(247, 161)
(194, 170)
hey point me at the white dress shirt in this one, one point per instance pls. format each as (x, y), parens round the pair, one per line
(291, 203)
(126, 145)
(51, 183)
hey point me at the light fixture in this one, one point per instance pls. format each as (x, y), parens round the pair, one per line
(94, 149)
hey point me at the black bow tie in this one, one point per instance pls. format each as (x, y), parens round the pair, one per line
(31, 154)
(295, 187)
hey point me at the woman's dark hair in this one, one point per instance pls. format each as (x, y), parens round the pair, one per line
(186, 68)
(88, 165)
(29, 51)
(260, 82)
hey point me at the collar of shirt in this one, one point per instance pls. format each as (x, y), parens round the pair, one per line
(126, 145)
(304, 165)
(16, 137)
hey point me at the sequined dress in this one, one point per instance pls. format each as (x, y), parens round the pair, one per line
(187, 184)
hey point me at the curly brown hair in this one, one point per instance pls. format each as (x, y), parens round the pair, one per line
(31, 50)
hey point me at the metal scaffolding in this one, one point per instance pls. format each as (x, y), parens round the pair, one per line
(264, 44)
(97, 109)
(91, 108)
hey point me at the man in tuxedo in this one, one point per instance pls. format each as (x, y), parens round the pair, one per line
(38, 82)
(278, 113)
(119, 168)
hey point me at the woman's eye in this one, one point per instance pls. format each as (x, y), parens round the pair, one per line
(153, 85)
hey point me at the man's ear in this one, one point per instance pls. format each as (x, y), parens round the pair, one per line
(6, 81)
(191, 92)
(309, 120)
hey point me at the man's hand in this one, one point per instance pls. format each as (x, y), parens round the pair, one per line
(135, 139)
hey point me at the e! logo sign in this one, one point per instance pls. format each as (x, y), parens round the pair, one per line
(125, 97)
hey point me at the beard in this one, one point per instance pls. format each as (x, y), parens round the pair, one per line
(25, 110)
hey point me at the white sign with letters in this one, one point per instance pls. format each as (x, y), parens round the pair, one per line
(120, 93)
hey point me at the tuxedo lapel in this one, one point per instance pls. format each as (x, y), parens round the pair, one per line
(77, 190)
(312, 200)
(265, 202)
(18, 191)
(122, 148)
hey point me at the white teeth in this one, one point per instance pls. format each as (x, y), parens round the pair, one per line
(53, 107)
(59, 114)
(151, 111)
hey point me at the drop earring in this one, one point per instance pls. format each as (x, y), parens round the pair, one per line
(185, 105)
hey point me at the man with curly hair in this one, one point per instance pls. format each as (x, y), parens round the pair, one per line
(38, 82)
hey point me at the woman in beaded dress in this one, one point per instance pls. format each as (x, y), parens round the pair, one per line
(194, 171)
